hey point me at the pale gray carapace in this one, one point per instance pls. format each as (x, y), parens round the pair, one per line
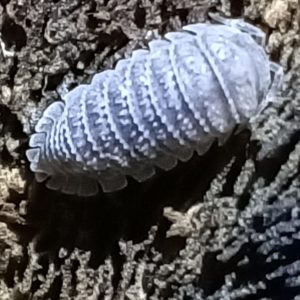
(159, 106)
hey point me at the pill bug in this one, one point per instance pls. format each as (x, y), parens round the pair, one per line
(187, 90)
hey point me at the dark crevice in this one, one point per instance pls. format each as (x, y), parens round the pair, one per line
(258, 223)
(103, 40)
(55, 289)
(45, 43)
(236, 8)
(4, 2)
(28, 23)
(86, 57)
(92, 22)
(244, 199)
(164, 14)
(36, 95)
(13, 71)
(5, 157)
(183, 14)
(140, 16)
(13, 34)
(53, 81)
(117, 40)
(16, 267)
(11, 123)
(213, 272)
(268, 168)
(240, 158)
(275, 55)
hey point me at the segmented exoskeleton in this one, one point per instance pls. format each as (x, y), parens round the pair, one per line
(155, 108)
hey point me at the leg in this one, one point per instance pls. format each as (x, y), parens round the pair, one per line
(276, 76)
(257, 34)
(276, 83)
(276, 80)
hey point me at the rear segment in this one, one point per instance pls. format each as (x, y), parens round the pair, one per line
(46, 159)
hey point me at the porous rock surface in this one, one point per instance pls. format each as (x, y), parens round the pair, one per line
(222, 226)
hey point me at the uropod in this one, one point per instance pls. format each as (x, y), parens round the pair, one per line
(162, 104)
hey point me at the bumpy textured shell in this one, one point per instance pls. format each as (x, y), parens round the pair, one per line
(153, 109)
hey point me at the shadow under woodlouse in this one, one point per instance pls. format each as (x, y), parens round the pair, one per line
(97, 223)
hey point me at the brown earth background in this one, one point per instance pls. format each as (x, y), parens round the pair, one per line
(222, 226)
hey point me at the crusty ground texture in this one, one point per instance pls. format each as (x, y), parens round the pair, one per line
(222, 226)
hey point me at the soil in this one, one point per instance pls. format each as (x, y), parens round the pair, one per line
(221, 226)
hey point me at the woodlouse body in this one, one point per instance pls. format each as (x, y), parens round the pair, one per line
(153, 109)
